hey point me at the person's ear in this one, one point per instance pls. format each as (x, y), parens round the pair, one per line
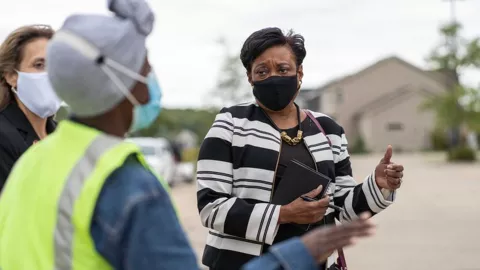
(249, 76)
(11, 78)
(140, 93)
(140, 90)
(300, 75)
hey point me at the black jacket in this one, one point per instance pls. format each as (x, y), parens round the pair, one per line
(16, 136)
(237, 167)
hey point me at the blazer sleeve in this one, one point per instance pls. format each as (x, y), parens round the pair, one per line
(7, 160)
(355, 198)
(219, 210)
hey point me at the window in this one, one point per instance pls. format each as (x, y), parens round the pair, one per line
(394, 126)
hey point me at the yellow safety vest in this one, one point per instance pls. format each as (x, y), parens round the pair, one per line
(47, 204)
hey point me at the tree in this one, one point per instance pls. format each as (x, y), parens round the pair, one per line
(232, 86)
(455, 54)
(459, 108)
(452, 57)
(170, 122)
(446, 109)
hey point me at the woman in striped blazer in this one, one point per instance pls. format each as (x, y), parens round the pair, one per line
(243, 157)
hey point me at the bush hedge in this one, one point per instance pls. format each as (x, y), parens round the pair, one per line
(439, 140)
(462, 154)
(358, 147)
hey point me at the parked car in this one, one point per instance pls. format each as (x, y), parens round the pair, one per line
(186, 172)
(160, 156)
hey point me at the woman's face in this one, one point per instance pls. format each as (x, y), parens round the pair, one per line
(33, 59)
(275, 61)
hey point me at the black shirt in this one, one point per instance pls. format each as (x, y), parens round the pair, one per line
(16, 136)
(289, 152)
(300, 153)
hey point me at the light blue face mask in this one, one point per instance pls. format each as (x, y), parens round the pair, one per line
(145, 114)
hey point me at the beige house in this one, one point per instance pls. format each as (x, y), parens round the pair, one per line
(381, 104)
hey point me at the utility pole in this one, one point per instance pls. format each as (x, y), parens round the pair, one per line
(453, 20)
(453, 44)
(453, 10)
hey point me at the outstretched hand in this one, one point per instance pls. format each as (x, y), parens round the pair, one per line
(323, 241)
(388, 175)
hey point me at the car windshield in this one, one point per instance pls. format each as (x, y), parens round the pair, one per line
(148, 150)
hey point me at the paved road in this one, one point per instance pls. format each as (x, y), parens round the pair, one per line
(434, 224)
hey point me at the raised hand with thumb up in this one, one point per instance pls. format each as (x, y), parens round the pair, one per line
(388, 175)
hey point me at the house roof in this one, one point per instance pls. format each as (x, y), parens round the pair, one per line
(445, 76)
(308, 93)
(385, 101)
(437, 76)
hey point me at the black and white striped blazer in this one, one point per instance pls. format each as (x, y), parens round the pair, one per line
(235, 177)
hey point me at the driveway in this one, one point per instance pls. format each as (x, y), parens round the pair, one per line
(434, 224)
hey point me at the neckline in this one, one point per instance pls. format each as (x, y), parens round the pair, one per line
(19, 120)
(297, 126)
(299, 122)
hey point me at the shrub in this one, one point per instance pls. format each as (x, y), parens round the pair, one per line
(358, 147)
(439, 140)
(462, 154)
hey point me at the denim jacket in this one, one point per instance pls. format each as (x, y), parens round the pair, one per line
(135, 227)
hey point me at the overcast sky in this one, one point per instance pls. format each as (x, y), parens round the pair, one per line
(341, 35)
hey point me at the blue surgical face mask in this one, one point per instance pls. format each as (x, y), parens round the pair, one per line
(145, 114)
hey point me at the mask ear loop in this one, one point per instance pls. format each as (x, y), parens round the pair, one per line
(13, 88)
(120, 85)
(104, 62)
(124, 70)
(90, 51)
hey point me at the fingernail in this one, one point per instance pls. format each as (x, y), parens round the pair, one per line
(389, 167)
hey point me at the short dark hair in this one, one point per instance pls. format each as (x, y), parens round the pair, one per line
(263, 39)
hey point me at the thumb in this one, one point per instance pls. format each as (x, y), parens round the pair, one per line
(388, 155)
(314, 193)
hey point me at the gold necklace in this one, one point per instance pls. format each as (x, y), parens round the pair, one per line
(297, 139)
(289, 139)
(283, 134)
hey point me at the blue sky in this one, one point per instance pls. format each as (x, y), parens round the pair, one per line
(342, 36)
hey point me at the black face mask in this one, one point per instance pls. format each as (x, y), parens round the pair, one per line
(276, 92)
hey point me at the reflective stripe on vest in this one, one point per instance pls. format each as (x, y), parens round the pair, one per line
(73, 186)
(49, 201)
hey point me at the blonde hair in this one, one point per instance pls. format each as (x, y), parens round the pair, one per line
(11, 54)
